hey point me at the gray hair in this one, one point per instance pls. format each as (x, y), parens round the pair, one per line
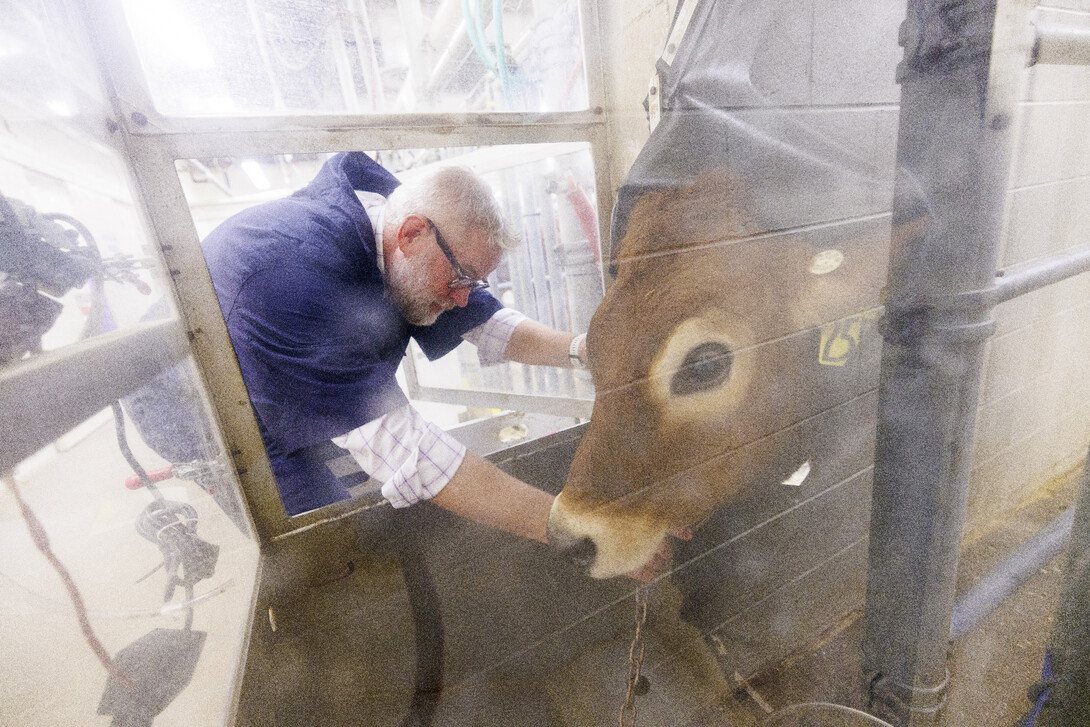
(453, 194)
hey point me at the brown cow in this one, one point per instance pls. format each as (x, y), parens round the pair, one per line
(713, 335)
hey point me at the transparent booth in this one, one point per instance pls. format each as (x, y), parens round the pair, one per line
(829, 256)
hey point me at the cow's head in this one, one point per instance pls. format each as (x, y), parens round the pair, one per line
(676, 351)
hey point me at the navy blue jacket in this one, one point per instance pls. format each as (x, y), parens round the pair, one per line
(317, 341)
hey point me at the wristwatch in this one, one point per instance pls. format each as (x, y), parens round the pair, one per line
(573, 351)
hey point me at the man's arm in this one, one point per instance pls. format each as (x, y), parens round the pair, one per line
(484, 493)
(535, 343)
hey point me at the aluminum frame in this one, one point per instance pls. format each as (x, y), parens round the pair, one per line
(44, 397)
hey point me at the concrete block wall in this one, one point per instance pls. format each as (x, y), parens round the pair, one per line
(1033, 421)
(633, 36)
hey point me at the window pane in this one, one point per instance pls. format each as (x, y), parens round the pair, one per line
(165, 574)
(358, 56)
(547, 194)
(554, 277)
(546, 190)
(76, 261)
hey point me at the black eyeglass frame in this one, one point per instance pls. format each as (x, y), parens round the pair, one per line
(461, 280)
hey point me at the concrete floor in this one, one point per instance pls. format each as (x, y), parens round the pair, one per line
(991, 668)
(319, 667)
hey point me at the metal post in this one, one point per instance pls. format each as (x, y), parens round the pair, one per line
(959, 83)
(1069, 642)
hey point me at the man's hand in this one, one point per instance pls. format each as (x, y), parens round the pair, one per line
(659, 562)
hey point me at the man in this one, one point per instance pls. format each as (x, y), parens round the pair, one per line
(321, 292)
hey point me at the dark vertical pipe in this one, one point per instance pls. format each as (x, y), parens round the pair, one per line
(1069, 642)
(958, 86)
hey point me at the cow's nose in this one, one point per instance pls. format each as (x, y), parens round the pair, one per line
(580, 551)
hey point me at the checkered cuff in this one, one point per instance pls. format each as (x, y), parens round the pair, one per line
(413, 457)
(492, 336)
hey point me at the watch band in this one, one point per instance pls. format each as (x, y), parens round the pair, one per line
(573, 351)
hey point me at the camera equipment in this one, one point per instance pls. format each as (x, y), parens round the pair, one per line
(40, 260)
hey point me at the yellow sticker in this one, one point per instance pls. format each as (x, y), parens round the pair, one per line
(841, 339)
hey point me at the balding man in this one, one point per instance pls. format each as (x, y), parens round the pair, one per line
(321, 292)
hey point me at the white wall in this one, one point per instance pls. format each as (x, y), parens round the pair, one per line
(1034, 417)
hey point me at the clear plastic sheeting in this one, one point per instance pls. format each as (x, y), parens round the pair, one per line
(212, 58)
(75, 260)
(800, 360)
(164, 575)
(122, 600)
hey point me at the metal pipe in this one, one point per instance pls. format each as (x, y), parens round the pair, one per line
(86, 377)
(1004, 579)
(947, 218)
(1061, 45)
(365, 49)
(1021, 279)
(210, 176)
(1068, 643)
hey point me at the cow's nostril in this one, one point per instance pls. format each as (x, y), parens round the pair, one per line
(581, 551)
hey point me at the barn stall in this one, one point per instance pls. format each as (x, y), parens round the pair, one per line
(861, 205)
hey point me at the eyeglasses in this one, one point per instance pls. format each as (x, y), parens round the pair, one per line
(461, 280)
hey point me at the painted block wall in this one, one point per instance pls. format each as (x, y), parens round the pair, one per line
(1033, 422)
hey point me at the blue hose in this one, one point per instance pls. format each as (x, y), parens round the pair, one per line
(476, 37)
(1041, 690)
(497, 62)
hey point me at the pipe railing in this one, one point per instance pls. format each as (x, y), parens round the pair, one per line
(1060, 44)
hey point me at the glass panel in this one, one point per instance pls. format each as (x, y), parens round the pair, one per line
(359, 56)
(75, 260)
(165, 574)
(555, 275)
(116, 601)
(545, 190)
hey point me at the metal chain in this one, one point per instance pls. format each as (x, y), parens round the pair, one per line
(636, 683)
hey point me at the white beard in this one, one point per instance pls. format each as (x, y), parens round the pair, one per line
(407, 286)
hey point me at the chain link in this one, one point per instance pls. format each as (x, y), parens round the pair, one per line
(627, 716)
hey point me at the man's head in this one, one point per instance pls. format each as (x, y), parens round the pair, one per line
(449, 208)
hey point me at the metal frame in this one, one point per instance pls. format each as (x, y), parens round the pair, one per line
(942, 289)
(1061, 44)
(44, 397)
(154, 142)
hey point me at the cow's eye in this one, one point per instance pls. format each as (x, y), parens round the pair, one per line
(705, 367)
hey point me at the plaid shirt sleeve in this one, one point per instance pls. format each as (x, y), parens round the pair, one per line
(414, 458)
(491, 337)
